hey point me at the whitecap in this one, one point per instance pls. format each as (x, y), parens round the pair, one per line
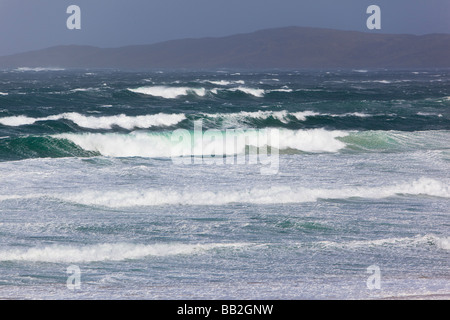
(169, 92)
(107, 252)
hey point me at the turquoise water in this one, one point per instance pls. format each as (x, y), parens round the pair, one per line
(89, 177)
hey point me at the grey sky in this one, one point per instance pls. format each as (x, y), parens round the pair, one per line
(36, 24)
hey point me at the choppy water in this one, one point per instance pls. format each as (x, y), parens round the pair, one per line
(90, 176)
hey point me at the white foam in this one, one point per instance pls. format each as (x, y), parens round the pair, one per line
(281, 90)
(427, 114)
(107, 252)
(169, 92)
(383, 81)
(147, 121)
(352, 114)
(443, 243)
(225, 82)
(26, 69)
(241, 117)
(3, 93)
(123, 121)
(175, 92)
(106, 122)
(16, 121)
(316, 140)
(251, 91)
(304, 114)
(123, 145)
(142, 144)
(84, 89)
(273, 195)
(440, 242)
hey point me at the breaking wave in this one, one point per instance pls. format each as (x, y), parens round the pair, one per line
(273, 195)
(181, 142)
(105, 122)
(168, 144)
(226, 120)
(169, 92)
(107, 252)
(176, 92)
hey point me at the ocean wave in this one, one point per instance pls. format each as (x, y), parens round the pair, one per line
(126, 122)
(17, 121)
(105, 122)
(182, 143)
(108, 252)
(396, 141)
(251, 91)
(429, 114)
(232, 142)
(38, 69)
(84, 90)
(252, 118)
(169, 92)
(281, 90)
(223, 82)
(237, 119)
(176, 92)
(273, 195)
(442, 243)
(131, 251)
(282, 115)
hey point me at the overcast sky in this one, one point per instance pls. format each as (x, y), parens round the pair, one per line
(35, 24)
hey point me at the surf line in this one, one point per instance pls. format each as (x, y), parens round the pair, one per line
(229, 147)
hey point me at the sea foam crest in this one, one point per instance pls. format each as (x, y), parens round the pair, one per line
(440, 242)
(38, 69)
(176, 92)
(224, 82)
(162, 144)
(126, 122)
(273, 195)
(251, 91)
(169, 92)
(107, 252)
(103, 122)
(241, 117)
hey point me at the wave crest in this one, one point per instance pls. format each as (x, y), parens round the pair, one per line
(107, 252)
(169, 92)
(105, 122)
(273, 195)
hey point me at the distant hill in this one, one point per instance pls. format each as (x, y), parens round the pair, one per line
(291, 47)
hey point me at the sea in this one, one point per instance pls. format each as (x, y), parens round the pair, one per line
(224, 184)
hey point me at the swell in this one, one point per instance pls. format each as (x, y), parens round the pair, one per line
(127, 198)
(30, 147)
(108, 252)
(182, 142)
(273, 195)
(131, 251)
(418, 121)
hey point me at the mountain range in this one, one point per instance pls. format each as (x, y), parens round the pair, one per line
(280, 48)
